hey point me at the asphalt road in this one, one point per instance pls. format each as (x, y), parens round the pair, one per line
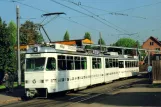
(129, 92)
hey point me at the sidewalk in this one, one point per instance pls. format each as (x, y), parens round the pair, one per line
(11, 97)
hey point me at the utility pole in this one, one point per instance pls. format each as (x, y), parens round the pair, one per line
(100, 42)
(18, 46)
(148, 57)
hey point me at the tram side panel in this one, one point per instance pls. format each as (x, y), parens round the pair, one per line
(111, 71)
(97, 70)
(122, 69)
(76, 73)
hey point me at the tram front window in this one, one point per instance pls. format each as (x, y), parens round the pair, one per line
(35, 64)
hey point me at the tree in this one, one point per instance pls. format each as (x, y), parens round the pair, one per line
(87, 36)
(66, 36)
(101, 41)
(29, 33)
(12, 38)
(7, 52)
(127, 42)
(12, 30)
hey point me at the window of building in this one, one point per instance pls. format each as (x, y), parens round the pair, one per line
(157, 49)
(151, 43)
(51, 64)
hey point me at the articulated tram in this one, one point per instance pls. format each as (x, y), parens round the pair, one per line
(56, 68)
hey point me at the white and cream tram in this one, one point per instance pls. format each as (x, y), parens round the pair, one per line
(56, 68)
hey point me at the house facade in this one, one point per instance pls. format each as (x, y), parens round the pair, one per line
(152, 43)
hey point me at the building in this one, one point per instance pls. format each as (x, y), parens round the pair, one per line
(152, 43)
(77, 42)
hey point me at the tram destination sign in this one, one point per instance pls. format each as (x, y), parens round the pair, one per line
(65, 47)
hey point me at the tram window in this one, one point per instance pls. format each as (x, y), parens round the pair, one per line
(111, 63)
(94, 63)
(107, 63)
(70, 63)
(117, 63)
(77, 63)
(99, 63)
(61, 62)
(129, 64)
(51, 64)
(35, 64)
(83, 62)
(137, 64)
(132, 63)
(126, 64)
(121, 64)
(114, 63)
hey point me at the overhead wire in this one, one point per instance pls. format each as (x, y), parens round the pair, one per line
(112, 13)
(86, 15)
(50, 20)
(79, 4)
(140, 6)
(29, 6)
(69, 19)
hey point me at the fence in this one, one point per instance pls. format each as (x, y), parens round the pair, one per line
(156, 72)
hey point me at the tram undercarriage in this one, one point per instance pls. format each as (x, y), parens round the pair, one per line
(37, 92)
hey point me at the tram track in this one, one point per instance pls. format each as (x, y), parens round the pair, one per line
(78, 97)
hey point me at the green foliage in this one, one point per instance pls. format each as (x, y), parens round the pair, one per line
(12, 30)
(7, 53)
(87, 36)
(66, 36)
(126, 42)
(101, 41)
(29, 33)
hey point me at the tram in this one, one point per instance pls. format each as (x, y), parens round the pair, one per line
(58, 67)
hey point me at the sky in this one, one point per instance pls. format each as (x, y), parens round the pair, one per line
(113, 19)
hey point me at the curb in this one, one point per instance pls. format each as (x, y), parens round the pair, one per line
(15, 88)
(10, 101)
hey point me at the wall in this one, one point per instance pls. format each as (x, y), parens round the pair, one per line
(146, 45)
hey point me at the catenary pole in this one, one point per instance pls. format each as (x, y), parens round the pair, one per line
(100, 42)
(18, 46)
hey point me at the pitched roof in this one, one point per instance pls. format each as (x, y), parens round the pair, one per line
(73, 42)
(156, 40)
